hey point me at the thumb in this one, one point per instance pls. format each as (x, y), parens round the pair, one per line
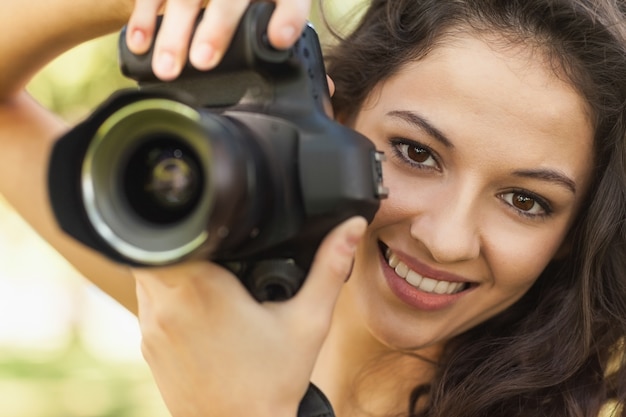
(331, 267)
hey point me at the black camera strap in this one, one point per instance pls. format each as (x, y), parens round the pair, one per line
(315, 404)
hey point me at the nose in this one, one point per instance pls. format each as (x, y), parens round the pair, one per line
(448, 228)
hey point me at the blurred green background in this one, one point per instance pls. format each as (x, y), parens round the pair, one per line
(66, 349)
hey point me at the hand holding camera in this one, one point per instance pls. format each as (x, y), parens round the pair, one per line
(234, 356)
(211, 36)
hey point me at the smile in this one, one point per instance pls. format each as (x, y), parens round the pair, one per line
(422, 283)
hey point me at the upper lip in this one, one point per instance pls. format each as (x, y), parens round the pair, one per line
(423, 269)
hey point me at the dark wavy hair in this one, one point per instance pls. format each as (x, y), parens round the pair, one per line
(560, 350)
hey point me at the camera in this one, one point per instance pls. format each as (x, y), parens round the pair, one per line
(242, 164)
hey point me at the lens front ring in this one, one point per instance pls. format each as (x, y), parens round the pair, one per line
(106, 206)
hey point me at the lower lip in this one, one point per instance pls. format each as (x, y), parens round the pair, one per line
(415, 298)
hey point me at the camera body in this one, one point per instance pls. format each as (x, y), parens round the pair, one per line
(242, 164)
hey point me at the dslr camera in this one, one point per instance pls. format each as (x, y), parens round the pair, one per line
(242, 164)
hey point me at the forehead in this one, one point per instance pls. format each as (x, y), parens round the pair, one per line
(499, 97)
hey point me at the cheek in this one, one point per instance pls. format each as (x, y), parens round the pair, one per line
(517, 257)
(407, 198)
(390, 212)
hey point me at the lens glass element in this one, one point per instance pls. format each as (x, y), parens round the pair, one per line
(163, 181)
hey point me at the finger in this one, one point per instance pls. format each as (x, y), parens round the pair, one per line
(172, 43)
(141, 25)
(143, 299)
(215, 31)
(287, 22)
(159, 288)
(331, 267)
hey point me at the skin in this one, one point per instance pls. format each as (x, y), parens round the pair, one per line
(455, 218)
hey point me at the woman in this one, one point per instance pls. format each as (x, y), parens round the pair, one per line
(491, 282)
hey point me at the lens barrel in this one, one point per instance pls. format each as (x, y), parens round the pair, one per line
(151, 177)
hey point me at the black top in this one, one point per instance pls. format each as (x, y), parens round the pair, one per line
(315, 404)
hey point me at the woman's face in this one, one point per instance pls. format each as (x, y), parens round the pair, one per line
(489, 158)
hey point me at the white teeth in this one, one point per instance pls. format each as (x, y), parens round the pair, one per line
(413, 278)
(393, 261)
(425, 284)
(428, 284)
(442, 287)
(402, 269)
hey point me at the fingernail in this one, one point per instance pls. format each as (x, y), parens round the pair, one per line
(165, 64)
(288, 33)
(202, 56)
(138, 38)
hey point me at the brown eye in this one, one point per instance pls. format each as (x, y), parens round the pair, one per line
(523, 202)
(416, 155)
(526, 204)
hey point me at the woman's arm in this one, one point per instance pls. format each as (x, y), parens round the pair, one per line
(27, 132)
(33, 35)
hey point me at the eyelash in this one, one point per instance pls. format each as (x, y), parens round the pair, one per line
(401, 146)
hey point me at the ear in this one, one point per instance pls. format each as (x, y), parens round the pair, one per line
(345, 119)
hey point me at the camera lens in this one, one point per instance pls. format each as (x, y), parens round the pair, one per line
(163, 180)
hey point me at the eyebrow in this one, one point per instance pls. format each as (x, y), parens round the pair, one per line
(548, 175)
(421, 123)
